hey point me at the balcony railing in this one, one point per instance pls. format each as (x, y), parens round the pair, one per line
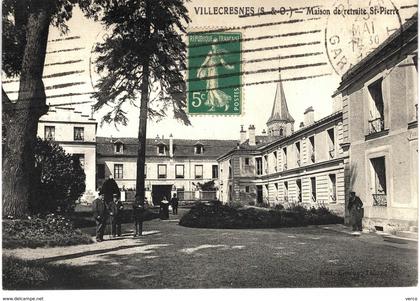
(332, 153)
(376, 125)
(379, 199)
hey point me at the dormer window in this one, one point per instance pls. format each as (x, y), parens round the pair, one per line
(118, 147)
(198, 149)
(161, 149)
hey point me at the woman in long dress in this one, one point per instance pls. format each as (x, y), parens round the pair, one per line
(208, 70)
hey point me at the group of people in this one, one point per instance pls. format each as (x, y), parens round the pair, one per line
(108, 208)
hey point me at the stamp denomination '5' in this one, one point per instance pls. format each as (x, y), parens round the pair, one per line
(214, 73)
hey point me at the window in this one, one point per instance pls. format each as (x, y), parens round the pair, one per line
(275, 160)
(247, 189)
(161, 149)
(179, 171)
(297, 148)
(258, 163)
(313, 188)
(198, 171)
(49, 132)
(215, 171)
(100, 171)
(198, 149)
(266, 164)
(79, 134)
(299, 190)
(246, 161)
(312, 149)
(378, 182)
(119, 147)
(332, 188)
(281, 132)
(376, 121)
(286, 191)
(331, 143)
(81, 158)
(162, 171)
(284, 158)
(118, 171)
(145, 171)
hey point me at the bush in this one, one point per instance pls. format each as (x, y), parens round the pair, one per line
(229, 217)
(235, 205)
(58, 180)
(263, 205)
(52, 230)
(278, 207)
(251, 203)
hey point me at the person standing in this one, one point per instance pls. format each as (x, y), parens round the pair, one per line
(355, 207)
(164, 209)
(116, 208)
(109, 188)
(100, 214)
(174, 204)
(138, 212)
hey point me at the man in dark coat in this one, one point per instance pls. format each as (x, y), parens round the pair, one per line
(174, 204)
(109, 188)
(100, 214)
(116, 208)
(138, 211)
(355, 207)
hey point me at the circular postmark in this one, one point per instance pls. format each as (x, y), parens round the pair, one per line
(355, 28)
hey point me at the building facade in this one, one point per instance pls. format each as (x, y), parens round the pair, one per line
(76, 134)
(379, 100)
(172, 165)
(286, 166)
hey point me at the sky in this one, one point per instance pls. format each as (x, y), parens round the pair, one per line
(70, 75)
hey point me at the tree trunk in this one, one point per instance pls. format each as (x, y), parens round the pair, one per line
(144, 102)
(22, 117)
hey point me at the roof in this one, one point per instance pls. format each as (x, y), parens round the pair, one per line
(182, 147)
(269, 142)
(280, 111)
(406, 34)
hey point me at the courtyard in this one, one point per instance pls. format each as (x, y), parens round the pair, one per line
(172, 256)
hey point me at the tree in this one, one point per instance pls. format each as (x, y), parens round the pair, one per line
(59, 179)
(144, 52)
(25, 35)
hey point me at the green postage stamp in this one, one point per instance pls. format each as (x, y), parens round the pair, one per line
(214, 73)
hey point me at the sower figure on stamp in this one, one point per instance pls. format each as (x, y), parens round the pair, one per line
(116, 208)
(355, 207)
(100, 214)
(208, 71)
(174, 204)
(138, 215)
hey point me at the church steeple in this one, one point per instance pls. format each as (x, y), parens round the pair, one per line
(280, 122)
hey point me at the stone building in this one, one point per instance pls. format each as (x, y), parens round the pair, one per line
(379, 99)
(286, 166)
(172, 165)
(75, 132)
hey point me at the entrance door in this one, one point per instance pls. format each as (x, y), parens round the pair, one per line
(160, 191)
(259, 194)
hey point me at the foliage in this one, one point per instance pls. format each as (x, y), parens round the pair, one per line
(33, 232)
(226, 216)
(140, 30)
(59, 179)
(251, 203)
(206, 186)
(15, 16)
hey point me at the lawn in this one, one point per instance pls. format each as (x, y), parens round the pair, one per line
(181, 257)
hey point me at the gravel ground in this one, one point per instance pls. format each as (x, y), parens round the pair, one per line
(172, 256)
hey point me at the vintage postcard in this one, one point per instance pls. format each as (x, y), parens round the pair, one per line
(209, 145)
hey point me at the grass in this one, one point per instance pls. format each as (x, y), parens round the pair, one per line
(19, 274)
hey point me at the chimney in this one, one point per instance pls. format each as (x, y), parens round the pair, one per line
(171, 146)
(243, 134)
(251, 135)
(308, 116)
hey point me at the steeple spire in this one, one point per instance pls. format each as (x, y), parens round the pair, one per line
(280, 111)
